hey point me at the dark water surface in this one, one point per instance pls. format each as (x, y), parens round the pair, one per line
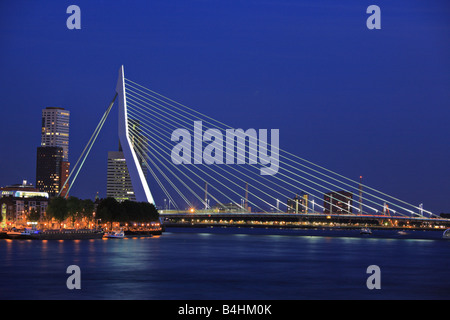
(227, 264)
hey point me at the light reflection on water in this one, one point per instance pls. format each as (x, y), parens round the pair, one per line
(202, 265)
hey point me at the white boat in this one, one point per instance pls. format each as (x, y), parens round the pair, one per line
(21, 233)
(115, 235)
(365, 231)
(446, 234)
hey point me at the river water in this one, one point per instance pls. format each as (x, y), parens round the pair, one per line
(200, 264)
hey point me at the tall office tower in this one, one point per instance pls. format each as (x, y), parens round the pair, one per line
(55, 129)
(54, 134)
(48, 169)
(118, 182)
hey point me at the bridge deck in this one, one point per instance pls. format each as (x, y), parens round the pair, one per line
(350, 219)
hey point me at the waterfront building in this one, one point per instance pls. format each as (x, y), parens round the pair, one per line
(18, 201)
(340, 202)
(118, 182)
(299, 204)
(24, 190)
(49, 169)
(53, 166)
(55, 129)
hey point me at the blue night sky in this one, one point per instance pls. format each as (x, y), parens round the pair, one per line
(357, 101)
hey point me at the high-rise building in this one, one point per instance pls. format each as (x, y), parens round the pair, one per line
(48, 169)
(55, 129)
(52, 167)
(339, 201)
(118, 184)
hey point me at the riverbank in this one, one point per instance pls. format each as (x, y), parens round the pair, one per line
(72, 234)
(308, 231)
(64, 234)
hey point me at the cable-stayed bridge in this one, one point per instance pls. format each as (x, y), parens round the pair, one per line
(203, 166)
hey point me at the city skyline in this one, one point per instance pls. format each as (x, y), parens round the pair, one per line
(225, 155)
(380, 113)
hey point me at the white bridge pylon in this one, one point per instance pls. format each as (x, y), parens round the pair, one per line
(138, 180)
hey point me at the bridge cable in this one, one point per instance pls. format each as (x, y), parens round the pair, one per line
(288, 170)
(137, 136)
(157, 133)
(162, 129)
(86, 150)
(294, 156)
(158, 158)
(263, 176)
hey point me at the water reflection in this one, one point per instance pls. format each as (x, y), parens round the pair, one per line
(225, 266)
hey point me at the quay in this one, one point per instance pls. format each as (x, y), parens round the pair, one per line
(74, 234)
(63, 234)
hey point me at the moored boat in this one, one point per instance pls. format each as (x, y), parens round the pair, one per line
(365, 231)
(115, 235)
(26, 233)
(63, 234)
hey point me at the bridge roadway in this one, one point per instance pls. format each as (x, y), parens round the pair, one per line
(203, 217)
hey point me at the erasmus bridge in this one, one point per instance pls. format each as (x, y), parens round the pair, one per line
(205, 168)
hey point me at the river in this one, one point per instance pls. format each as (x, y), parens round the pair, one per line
(200, 264)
